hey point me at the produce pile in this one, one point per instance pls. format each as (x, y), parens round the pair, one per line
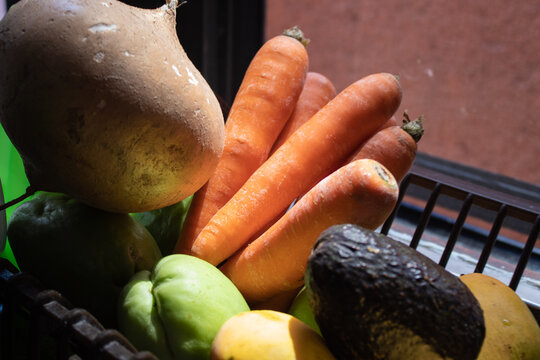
(249, 234)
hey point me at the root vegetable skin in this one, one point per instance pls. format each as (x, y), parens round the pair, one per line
(321, 144)
(393, 146)
(103, 104)
(362, 193)
(266, 99)
(390, 122)
(318, 90)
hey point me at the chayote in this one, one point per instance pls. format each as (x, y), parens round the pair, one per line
(85, 253)
(176, 310)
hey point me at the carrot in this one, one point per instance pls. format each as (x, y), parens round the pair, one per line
(281, 302)
(265, 100)
(318, 91)
(362, 192)
(322, 143)
(394, 146)
(390, 122)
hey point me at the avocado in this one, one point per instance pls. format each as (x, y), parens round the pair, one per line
(376, 298)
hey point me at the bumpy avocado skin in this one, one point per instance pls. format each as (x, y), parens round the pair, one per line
(373, 296)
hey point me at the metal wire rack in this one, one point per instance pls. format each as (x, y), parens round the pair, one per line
(470, 220)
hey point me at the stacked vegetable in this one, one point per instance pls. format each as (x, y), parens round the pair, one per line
(228, 212)
(290, 138)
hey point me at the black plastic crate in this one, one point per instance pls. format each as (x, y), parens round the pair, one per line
(38, 323)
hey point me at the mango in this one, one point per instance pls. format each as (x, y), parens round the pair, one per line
(268, 335)
(512, 332)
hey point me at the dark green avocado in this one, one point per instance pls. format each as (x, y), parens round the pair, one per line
(376, 298)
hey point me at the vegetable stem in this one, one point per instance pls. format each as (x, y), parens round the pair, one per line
(174, 4)
(415, 127)
(297, 34)
(29, 192)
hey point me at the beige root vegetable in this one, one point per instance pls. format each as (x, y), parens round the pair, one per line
(103, 103)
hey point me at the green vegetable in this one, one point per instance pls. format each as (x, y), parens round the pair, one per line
(301, 310)
(176, 310)
(165, 224)
(86, 254)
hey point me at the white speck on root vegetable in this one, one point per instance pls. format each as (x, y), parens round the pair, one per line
(192, 79)
(101, 28)
(176, 71)
(99, 56)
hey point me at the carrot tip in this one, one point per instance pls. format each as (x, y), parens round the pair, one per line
(385, 174)
(297, 34)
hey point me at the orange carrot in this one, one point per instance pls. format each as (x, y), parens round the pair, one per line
(394, 147)
(322, 143)
(318, 91)
(362, 192)
(390, 122)
(281, 302)
(264, 102)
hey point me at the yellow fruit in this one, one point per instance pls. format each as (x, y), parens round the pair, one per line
(268, 335)
(511, 329)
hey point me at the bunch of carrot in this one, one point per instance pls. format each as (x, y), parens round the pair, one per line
(290, 137)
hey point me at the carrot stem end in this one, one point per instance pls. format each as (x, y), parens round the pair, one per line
(297, 34)
(415, 127)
